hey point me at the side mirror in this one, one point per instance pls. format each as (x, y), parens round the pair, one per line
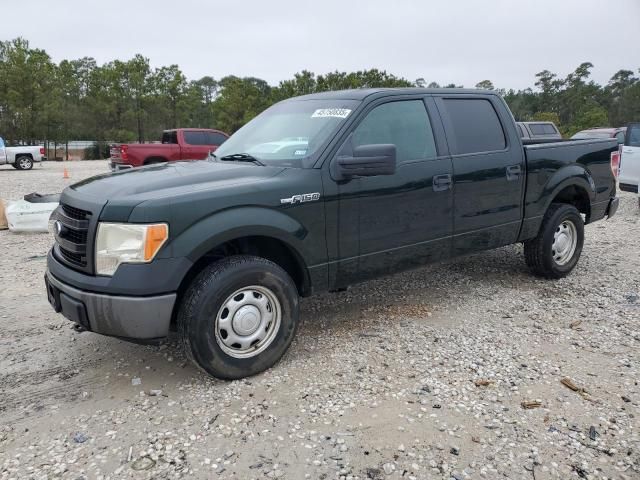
(367, 161)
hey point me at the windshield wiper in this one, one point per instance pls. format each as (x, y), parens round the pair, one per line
(241, 157)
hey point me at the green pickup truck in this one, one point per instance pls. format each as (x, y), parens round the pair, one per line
(316, 193)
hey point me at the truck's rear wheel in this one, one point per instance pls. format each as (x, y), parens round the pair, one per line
(556, 250)
(238, 316)
(24, 163)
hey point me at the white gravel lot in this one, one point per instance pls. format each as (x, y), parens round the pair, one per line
(417, 376)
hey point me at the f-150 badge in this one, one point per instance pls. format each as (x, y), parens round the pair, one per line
(304, 197)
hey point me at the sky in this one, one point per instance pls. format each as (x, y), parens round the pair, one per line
(453, 41)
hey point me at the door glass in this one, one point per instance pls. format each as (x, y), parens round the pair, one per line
(633, 136)
(195, 138)
(476, 126)
(214, 138)
(404, 124)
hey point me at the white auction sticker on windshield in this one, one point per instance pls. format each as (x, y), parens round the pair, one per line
(331, 112)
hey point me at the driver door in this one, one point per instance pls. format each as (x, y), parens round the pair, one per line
(389, 223)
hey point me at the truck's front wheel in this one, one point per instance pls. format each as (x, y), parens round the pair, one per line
(555, 251)
(238, 317)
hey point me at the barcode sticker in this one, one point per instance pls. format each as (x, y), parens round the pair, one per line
(331, 112)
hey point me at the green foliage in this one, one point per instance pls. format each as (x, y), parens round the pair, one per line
(131, 101)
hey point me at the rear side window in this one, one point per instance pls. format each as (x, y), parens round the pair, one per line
(170, 137)
(195, 138)
(404, 124)
(537, 128)
(214, 138)
(633, 136)
(550, 129)
(475, 123)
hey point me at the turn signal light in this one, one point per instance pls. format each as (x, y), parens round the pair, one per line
(155, 238)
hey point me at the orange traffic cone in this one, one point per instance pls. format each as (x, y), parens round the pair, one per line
(65, 173)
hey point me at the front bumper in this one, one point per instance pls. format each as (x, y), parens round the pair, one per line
(138, 318)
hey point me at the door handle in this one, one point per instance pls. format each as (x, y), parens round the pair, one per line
(441, 182)
(513, 172)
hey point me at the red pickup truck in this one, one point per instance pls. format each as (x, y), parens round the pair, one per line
(179, 144)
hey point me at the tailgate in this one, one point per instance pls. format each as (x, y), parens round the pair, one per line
(115, 152)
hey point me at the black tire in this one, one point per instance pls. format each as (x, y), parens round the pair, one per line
(14, 165)
(539, 253)
(23, 163)
(204, 299)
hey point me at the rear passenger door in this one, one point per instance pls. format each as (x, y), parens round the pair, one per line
(195, 145)
(488, 171)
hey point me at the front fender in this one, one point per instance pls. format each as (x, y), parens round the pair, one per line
(226, 225)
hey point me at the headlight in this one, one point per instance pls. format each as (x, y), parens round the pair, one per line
(127, 243)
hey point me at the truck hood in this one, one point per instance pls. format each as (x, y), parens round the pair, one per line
(169, 179)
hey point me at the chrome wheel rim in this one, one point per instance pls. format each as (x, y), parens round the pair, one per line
(565, 241)
(24, 162)
(248, 321)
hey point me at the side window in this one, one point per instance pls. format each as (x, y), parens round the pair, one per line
(1, 142)
(550, 129)
(194, 138)
(170, 137)
(404, 124)
(476, 126)
(537, 128)
(214, 138)
(633, 136)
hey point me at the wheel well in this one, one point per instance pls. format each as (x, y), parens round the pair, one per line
(151, 160)
(28, 155)
(576, 196)
(266, 247)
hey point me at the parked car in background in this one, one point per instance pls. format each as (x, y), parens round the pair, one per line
(179, 144)
(538, 132)
(21, 157)
(602, 132)
(314, 194)
(629, 176)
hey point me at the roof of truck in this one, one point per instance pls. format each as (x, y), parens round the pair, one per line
(362, 93)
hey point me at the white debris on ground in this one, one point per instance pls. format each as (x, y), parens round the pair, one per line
(465, 370)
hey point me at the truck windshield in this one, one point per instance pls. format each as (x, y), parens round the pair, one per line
(289, 133)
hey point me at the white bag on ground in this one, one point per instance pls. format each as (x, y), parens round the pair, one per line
(25, 216)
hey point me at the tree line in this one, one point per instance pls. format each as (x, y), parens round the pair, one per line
(129, 100)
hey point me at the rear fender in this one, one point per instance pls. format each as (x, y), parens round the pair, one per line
(573, 175)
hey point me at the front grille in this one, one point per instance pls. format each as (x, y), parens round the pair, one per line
(72, 235)
(73, 258)
(75, 213)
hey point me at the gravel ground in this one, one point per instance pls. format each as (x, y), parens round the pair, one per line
(421, 375)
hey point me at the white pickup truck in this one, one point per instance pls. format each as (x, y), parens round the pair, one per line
(21, 157)
(629, 176)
